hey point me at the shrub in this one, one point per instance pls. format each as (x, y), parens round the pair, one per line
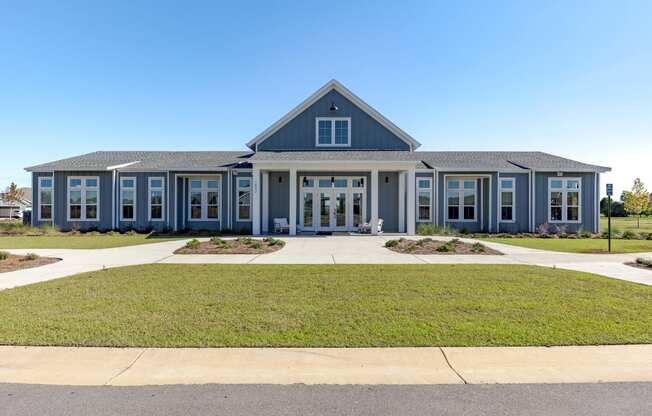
(561, 229)
(391, 243)
(131, 232)
(477, 248)
(256, 245)
(464, 231)
(193, 244)
(271, 241)
(4, 255)
(245, 240)
(431, 229)
(583, 232)
(563, 235)
(218, 241)
(644, 262)
(444, 248)
(543, 229)
(454, 241)
(31, 256)
(629, 235)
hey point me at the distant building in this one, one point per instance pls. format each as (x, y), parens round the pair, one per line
(9, 209)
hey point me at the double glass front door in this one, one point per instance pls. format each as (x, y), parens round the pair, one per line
(330, 204)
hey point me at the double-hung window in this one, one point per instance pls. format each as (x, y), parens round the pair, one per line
(156, 198)
(424, 199)
(507, 194)
(45, 186)
(127, 199)
(564, 199)
(461, 200)
(83, 198)
(204, 199)
(333, 131)
(244, 199)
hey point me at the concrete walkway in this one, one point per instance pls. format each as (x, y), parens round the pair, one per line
(320, 250)
(138, 366)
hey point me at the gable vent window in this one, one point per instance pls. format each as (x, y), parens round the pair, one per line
(333, 132)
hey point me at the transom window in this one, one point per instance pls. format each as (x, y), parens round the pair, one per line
(424, 199)
(461, 200)
(83, 198)
(244, 199)
(204, 199)
(564, 200)
(45, 187)
(127, 199)
(333, 131)
(507, 194)
(156, 199)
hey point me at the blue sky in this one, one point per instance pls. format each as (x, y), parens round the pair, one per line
(567, 78)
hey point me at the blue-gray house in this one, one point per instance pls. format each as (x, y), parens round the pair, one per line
(330, 164)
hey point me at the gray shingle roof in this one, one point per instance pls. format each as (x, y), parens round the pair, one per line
(142, 160)
(478, 161)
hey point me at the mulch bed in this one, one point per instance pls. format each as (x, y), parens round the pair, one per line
(235, 246)
(430, 246)
(14, 263)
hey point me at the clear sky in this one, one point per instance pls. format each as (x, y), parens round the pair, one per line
(569, 78)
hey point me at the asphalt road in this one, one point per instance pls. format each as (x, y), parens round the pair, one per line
(613, 399)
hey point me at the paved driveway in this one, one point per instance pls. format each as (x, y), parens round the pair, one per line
(319, 250)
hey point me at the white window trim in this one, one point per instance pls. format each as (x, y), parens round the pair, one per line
(51, 204)
(237, 199)
(421, 189)
(332, 120)
(349, 189)
(564, 201)
(124, 188)
(150, 189)
(204, 198)
(83, 188)
(461, 198)
(511, 190)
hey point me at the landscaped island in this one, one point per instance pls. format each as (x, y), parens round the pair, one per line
(430, 246)
(11, 262)
(167, 305)
(240, 245)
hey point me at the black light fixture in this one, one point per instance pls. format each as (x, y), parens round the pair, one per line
(280, 179)
(333, 106)
(361, 181)
(332, 180)
(305, 181)
(386, 179)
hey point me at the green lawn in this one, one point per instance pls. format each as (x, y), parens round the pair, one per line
(578, 246)
(165, 305)
(79, 241)
(627, 223)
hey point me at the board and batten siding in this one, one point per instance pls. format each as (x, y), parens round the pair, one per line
(141, 221)
(484, 221)
(521, 204)
(300, 132)
(589, 200)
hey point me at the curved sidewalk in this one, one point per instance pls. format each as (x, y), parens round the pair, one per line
(319, 250)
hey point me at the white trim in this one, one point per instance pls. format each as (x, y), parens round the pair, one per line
(411, 201)
(511, 190)
(40, 189)
(83, 189)
(596, 203)
(337, 86)
(435, 176)
(293, 202)
(204, 190)
(176, 198)
(150, 189)
(167, 217)
(135, 201)
(534, 200)
(564, 202)
(332, 121)
(374, 201)
(401, 201)
(427, 189)
(237, 198)
(265, 198)
(461, 190)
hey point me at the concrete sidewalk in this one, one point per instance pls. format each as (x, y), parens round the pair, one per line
(350, 249)
(138, 366)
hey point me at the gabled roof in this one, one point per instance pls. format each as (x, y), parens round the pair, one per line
(337, 86)
(142, 160)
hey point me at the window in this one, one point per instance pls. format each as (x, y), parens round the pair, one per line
(204, 199)
(127, 199)
(156, 199)
(507, 194)
(83, 198)
(424, 198)
(45, 186)
(244, 199)
(460, 200)
(564, 196)
(333, 131)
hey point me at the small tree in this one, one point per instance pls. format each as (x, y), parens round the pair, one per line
(637, 201)
(15, 196)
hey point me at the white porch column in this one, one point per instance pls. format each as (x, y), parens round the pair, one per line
(265, 201)
(374, 201)
(293, 201)
(411, 201)
(401, 202)
(255, 201)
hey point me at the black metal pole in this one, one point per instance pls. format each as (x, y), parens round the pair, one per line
(609, 221)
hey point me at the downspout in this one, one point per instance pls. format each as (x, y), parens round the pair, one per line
(499, 201)
(534, 200)
(230, 207)
(167, 194)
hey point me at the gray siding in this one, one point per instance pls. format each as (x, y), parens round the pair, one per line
(279, 197)
(180, 205)
(239, 226)
(488, 222)
(141, 221)
(388, 200)
(521, 207)
(366, 133)
(589, 200)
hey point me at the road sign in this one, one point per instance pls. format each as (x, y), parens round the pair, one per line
(610, 189)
